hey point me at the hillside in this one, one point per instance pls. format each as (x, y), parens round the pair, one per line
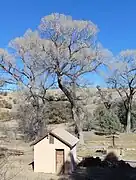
(9, 102)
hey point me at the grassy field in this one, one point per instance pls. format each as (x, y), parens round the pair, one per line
(94, 142)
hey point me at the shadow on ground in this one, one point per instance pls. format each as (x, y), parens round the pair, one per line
(109, 169)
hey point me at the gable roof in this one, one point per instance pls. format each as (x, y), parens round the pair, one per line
(65, 136)
(62, 135)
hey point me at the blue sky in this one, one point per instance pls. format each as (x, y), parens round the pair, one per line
(116, 19)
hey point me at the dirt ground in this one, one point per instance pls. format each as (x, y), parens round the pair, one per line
(19, 168)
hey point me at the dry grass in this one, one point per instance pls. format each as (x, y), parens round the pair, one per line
(94, 142)
(19, 168)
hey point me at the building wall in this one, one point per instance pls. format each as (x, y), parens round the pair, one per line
(74, 153)
(73, 158)
(45, 155)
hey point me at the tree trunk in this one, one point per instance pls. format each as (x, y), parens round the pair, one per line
(128, 127)
(41, 129)
(41, 123)
(81, 136)
(77, 120)
(75, 109)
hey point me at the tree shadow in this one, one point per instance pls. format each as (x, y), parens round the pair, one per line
(109, 169)
(65, 169)
(69, 166)
(111, 157)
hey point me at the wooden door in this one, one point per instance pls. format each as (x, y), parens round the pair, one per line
(60, 161)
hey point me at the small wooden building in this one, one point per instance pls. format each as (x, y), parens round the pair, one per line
(55, 152)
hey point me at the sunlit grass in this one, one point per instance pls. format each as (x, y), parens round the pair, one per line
(95, 142)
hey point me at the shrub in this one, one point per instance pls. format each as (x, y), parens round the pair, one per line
(5, 93)
(120, 111)
(5, 116)
(30, 121)
(5, 104)
(94, 101)
(88, 123)
(14, 101)
(107, 121)
(2, 103)
(8, 105)
(58, 112)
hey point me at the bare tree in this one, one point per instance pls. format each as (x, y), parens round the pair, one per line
(71, 52)
(62, 49)
(123, 79)
(4, 75)
(29, 124)
(105, 96)
(21, 72)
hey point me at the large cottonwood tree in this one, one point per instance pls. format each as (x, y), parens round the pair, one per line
(62, 49)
